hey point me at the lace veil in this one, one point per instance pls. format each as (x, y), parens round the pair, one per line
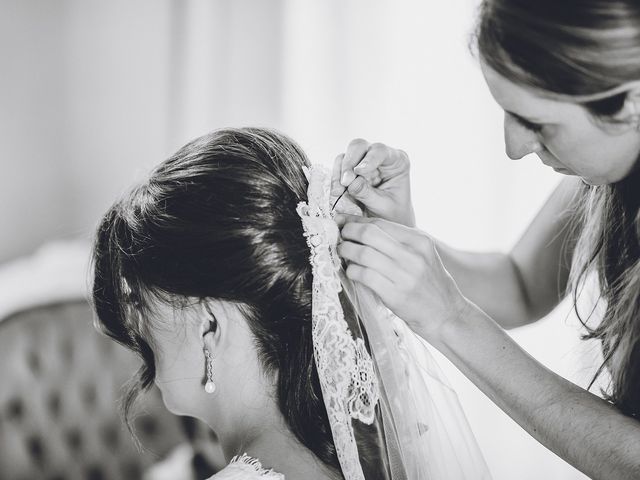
(393, 415)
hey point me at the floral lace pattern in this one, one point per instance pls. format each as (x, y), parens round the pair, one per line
(345, 369)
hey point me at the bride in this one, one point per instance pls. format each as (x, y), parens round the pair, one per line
(220, 272)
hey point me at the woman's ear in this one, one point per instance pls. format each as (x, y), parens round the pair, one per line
(210, 327)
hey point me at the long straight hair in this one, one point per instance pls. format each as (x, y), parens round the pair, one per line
(583, 47)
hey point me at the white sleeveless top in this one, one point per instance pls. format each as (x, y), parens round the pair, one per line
(244, 467)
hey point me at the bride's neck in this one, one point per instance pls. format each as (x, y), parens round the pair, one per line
(276, 447)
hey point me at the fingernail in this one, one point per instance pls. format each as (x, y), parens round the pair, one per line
(357, 186)
(347, 177)
(362, 165)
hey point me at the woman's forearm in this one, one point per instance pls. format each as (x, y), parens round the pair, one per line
(525, 284)
(578, 426)
(491, 281)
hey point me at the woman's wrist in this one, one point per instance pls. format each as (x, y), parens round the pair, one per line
(453, 327)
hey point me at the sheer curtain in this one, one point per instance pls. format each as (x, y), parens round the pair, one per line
(97, 92)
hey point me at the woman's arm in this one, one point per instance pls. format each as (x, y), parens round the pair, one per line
(575, 424)
(524, 285)
(403, 267)
(514, 288)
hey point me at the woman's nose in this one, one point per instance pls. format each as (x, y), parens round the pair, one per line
(519, 140)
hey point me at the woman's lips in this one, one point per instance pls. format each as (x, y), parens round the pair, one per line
(557, 168)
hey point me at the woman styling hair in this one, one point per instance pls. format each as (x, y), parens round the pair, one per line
(567, 74)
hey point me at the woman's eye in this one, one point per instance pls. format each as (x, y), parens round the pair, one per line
(528, 124)
(534, 127)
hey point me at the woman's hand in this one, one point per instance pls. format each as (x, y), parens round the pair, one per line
(401, 265)
(377, 176)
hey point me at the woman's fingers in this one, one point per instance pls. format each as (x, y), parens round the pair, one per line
(371, 235)
(407, 236)
(343, 218)
(356, 151)
(368, 245)
(402, 266)
(336, 187)
(370, 278)
(377, 178)
(370, 257)
(370, 160)
(376, 155)
(364, 191)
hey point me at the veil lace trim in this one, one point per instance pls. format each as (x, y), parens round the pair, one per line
(345, 369)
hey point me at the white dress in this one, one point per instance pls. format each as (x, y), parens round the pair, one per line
(244, 467)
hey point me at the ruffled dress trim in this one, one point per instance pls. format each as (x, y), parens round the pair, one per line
(249, 464)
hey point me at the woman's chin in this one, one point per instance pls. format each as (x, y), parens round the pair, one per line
(591, 181)
(595, 182)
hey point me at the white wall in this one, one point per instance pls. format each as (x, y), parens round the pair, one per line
(96, 92)
(31, 202)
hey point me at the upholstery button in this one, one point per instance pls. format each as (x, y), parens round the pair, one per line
(89, 395)
(74, 440)
(110, 436)
(94, 472)
(66, 350)
(15, 409)
(33, 360)
(147, 425)
(131, 470)
(35, 447)
(53, 404)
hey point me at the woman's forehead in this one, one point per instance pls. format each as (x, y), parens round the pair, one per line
(523, 101)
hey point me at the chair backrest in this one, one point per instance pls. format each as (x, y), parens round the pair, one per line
(60, 382)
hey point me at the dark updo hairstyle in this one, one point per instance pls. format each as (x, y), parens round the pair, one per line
(576, 48)
(218, 220)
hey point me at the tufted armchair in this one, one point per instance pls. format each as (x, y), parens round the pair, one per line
(59, 385)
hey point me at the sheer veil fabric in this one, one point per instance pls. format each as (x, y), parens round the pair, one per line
(392, 412)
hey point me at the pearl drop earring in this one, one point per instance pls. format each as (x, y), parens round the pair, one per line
(209, 387)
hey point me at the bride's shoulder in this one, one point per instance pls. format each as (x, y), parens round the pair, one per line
(244, 467)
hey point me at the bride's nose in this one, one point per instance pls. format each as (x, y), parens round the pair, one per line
(519, 140)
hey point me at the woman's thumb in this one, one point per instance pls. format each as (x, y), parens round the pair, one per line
(360, 190)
